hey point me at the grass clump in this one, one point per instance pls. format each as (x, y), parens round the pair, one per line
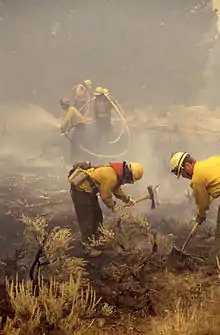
(67, 306)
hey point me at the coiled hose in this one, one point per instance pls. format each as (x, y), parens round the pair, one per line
(124, 126)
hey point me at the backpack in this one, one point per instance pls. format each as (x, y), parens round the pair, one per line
(81, 165)
(77, 174)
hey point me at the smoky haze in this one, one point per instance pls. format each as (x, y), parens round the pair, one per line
(153, 53)
(147, 52)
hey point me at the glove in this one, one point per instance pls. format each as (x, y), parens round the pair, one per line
(200, 219)
(131, 202)
(115, 208)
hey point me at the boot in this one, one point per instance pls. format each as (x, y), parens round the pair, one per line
(95, 252)
(91, 251)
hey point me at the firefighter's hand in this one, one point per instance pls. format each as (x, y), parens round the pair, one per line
(115, 209)
(131, 202)
(200, 219)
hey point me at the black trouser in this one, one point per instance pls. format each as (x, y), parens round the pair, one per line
(214, 252)
(104, 129)
(88, 212)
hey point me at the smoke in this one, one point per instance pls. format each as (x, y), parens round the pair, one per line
(49, 46)
(209, 94)
(216, 5)
(151, 54)
(26, 130)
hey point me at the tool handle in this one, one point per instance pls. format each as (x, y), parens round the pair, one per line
(190, 236)
(144, 197)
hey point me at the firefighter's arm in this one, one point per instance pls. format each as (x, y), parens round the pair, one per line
(120, 194)
(80, 93)
(106, 194)
(202, 200)
(74, 88)
(77, 116)
(65, 126)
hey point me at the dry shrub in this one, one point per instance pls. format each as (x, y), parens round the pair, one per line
(58, 295)
(190, 288)
(51, 250)
(132, 270)
(130, 273)
(67, 306)
(199, 318)
(133, 256)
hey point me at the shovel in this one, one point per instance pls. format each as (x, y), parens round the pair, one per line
(181, 251)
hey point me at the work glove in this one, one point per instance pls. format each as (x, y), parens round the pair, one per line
(200, 219)
(115, 209)
(130, 202)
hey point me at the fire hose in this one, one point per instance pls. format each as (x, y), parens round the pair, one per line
(116, 106)
(124, 126)
(118, 109)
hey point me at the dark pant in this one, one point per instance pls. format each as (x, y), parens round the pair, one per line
(214, 252)
(88, 212)
(104, 129)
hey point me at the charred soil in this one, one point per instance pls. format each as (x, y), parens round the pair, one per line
(133, 275)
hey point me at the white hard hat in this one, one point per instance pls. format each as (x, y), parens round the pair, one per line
(176, 162)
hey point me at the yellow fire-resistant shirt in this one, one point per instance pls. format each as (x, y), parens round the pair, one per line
(81, 93)
(72, 118)
(106, 182)
(206, 183)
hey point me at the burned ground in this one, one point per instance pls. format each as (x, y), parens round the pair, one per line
(135, 265)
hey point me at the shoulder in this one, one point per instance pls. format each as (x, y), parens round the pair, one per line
(79, 88)
(73, 110)
(204, 169)
(199, 172)
(107, 172)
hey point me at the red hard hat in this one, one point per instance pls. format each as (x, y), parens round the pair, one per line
(65, 101)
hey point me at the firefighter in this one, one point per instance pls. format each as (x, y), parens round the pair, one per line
(82, 96)
(106, 180)
(205, 183)
(73, 127)
(102, 112)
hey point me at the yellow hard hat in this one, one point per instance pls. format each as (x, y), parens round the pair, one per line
(176, 162)
(98, 90)
(87, 83)
(136, 170)
(105, 91)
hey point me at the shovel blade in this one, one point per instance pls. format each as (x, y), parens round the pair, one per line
(177, 258)
(180, 255)
(176, 251)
